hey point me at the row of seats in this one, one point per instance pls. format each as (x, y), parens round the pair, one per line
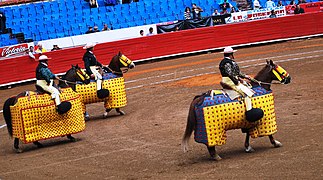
(55, 19)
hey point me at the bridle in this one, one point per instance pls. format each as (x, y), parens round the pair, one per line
(125, 62)
(80, 73)
(280, 73)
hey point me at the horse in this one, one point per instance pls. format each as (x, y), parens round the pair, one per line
(114, 96)
(34, 97)
(213, 112)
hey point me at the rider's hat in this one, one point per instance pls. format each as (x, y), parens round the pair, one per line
(43, 58)
(228, 50)
(89, 45)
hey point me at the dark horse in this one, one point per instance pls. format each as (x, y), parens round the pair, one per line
(223, 116)
(72, 75)
(117, 66)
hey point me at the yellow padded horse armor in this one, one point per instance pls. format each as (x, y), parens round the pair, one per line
(34, 117)
(218, 114)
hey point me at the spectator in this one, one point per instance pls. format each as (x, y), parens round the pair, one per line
(256, 4)
(30, 52)
(196, 11)
(301, 1)
(151, 31)
(215, 13)
(2, 23)
(40, 49)
(96, 29)
(292, 2)
(224, 11)
(298, 10)
(90, 30)
(176, 28)
(141, 32)
(225, 5)
(94, 4)
(187, 13)
(270, 4)
(105, 28)
(55, 47)
(272, 14)
(280, 3)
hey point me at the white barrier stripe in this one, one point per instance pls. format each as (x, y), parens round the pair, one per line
(241, 62)
(186, 77)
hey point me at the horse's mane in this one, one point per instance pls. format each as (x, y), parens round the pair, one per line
(262, 71)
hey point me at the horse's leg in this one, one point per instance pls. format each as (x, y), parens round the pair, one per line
(106, 112)
(248, 148)
(275, 142)
(120, 112)
(16, 146)
(213, 154)
(71, 138)
(38, 144)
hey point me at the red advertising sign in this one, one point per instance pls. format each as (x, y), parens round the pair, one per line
(308, 7)
(13, 50)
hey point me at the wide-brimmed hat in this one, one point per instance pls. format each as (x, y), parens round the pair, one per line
(43, 58)
(228, 50)
(89, 45)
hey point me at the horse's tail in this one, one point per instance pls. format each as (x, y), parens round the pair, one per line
(191, 123)
(7, 113)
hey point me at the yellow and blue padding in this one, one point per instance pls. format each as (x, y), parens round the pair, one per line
(218, 114)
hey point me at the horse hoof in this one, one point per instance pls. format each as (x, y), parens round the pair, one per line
(71, 138)
(249, 149)
(38, 144)
(105, 115)
(216, 158)
(121, 112)
(277, 144)
(18, 150)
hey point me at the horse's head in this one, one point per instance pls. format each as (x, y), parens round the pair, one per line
(278, 73)
(120, 61)
(76, 74)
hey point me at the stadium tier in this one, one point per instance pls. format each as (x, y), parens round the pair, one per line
(56, 19)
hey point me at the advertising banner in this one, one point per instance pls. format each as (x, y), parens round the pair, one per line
(17, 49)
(255, 14)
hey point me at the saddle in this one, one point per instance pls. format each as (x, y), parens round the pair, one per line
(227, 90)
(40, 90)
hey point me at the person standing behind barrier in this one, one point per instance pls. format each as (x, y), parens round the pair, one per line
(270, 4)
(298, 10)
(40, 49)
(256, 4)
(151, 31)
(187, 13)
(196, 11)
(141, 32)
(91, 64)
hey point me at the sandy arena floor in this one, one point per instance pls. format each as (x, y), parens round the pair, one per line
(145, 143)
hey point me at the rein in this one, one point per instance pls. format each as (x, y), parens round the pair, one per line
(260, 82)
(116, 72)
(66, 81)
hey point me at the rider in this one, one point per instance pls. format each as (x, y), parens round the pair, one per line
(232, 77)
(45, 78)
(91, 64)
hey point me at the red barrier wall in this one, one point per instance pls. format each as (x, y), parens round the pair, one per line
(22, 68)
